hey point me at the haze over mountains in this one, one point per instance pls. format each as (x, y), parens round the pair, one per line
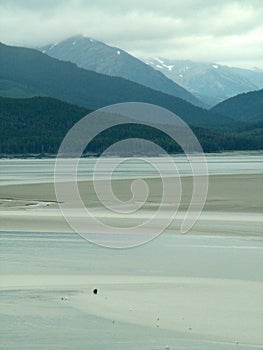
(94, 55)
(210, 82)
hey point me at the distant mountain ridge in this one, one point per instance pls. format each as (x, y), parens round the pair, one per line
(67, 82)
(210, 82)
(247, 107)
(94, 55)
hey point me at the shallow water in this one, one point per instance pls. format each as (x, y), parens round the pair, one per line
(57, 253)
(15, 171)
(38, 268)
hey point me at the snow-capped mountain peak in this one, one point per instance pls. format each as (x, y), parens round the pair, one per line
(94, 55)
(210, 82)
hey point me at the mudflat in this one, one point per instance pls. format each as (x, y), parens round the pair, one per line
(234, 203)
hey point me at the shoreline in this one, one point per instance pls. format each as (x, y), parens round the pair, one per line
(53, 156)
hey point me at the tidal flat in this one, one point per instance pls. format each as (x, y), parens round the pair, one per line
(201, 290)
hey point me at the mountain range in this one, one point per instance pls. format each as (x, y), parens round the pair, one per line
(38, 124)
(36, 71)
(200, 83)
(209, 82)
(94, 55)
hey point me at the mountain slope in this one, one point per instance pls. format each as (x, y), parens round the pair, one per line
(65, 81)
(210, 82)
(11, 88)
(244, 107)
(96, 56)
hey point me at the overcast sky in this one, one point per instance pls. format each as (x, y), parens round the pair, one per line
(223, 31)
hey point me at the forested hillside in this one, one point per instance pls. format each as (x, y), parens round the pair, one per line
(38, 125)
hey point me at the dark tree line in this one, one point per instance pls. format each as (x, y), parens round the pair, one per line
(38, 126)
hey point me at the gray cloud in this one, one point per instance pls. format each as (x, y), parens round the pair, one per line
(223, 31)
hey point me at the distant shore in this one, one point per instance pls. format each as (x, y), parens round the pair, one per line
(95, 155)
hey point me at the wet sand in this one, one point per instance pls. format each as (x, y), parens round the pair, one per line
(234, 205)
(183, 305)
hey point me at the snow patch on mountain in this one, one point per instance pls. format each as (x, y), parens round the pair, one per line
(53, 45)
(169, 67)
(158, 60)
